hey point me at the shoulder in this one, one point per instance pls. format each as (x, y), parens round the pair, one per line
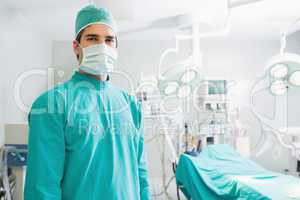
(130, 99)
(54, 96)
(50, 103)
(133, 104)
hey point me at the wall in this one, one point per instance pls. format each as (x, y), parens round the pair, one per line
(1, 109)
(24, 48)
(244, 61)
(230, 58)
(134, 58)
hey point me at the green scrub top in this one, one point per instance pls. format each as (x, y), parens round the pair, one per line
(86, 143)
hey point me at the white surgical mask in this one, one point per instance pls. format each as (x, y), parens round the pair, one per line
(98, 59)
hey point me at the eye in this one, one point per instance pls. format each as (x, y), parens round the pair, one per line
(92, 39)
(109, 40)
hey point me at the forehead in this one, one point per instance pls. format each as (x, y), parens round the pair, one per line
(98, 29)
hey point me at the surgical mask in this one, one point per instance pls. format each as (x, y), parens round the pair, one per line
(98, 59)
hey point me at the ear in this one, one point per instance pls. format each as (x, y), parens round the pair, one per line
(76, 49)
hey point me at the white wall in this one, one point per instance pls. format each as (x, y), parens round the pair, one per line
(24, 48)
(229, 58)
(240, 60)
(243, 61)
(135, 57)
(2, 51)
(1, 108)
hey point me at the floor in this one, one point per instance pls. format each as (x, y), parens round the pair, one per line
(156, 187)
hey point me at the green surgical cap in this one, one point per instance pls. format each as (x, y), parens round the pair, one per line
(93, 15)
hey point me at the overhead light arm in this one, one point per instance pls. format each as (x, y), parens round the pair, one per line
(292, 28)
(237, 3)
(282, 42)
(197, 57)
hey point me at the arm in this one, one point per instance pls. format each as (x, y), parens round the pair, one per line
(143, 169)
(46, 151)
(143, 173)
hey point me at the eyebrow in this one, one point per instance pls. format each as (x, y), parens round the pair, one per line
(91, 35)
(95, 35)
(110, 37)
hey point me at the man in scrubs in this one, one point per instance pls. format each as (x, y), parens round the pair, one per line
(85, 135)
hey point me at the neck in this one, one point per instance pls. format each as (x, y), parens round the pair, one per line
(98, 77)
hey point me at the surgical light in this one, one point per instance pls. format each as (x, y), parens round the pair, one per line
(179, 80)
(188, 76)
(283, 67)
(282, 77)
(171, 88)
(278, 88)
(279, 71)
(184, 91)
(294, 78)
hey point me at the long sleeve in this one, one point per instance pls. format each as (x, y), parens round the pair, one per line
(143, 168)
(143, 173)
(46, 150)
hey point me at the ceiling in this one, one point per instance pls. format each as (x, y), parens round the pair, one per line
(265, 19)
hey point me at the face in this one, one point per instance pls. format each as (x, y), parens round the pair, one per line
(95, 34)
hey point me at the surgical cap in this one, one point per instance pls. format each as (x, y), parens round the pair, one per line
(92, 15)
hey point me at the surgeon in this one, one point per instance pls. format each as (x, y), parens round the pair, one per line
(85, 135)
